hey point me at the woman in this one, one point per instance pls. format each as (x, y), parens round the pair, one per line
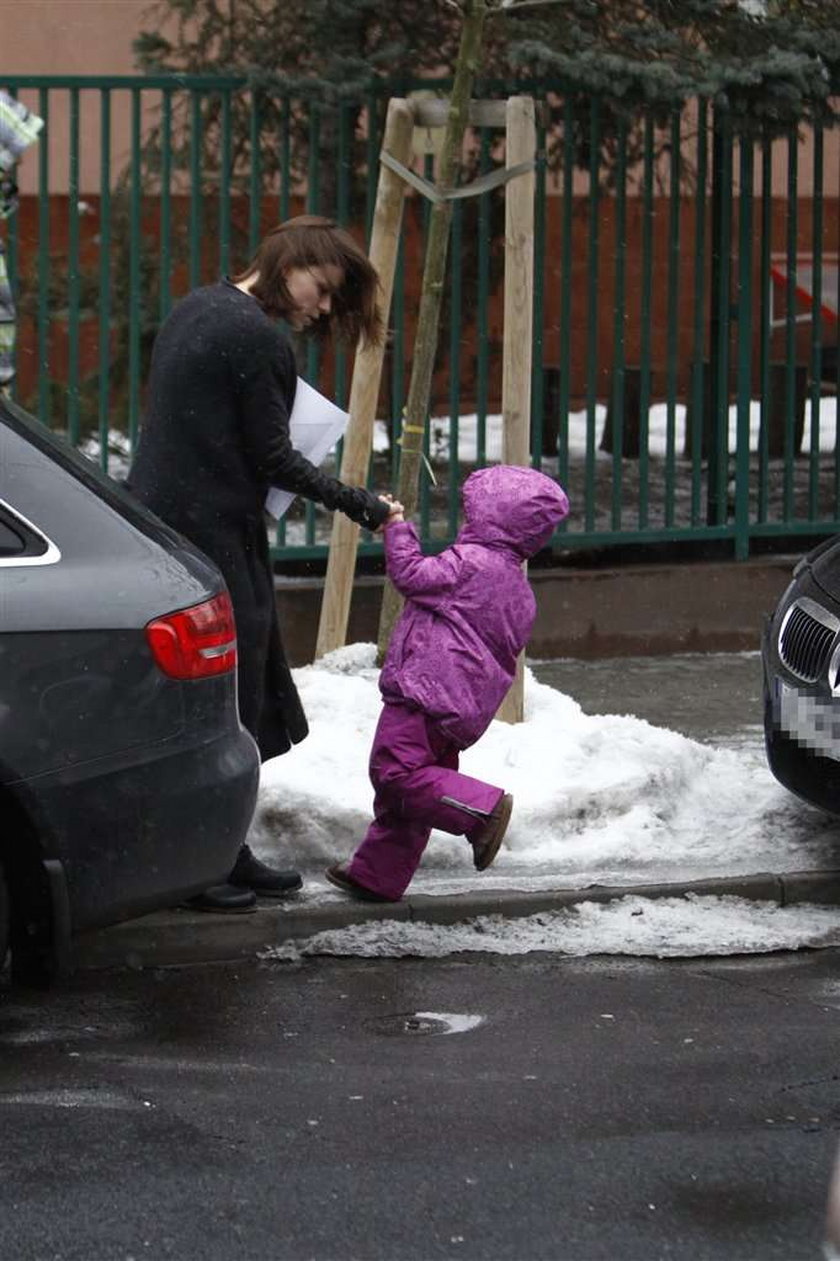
(216, 437)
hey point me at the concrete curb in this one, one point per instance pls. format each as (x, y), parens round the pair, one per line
(178, 937)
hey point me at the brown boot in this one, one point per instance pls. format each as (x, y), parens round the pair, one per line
(486, 843)
(341, 878)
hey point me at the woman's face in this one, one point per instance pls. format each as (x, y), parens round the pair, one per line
(312, 290)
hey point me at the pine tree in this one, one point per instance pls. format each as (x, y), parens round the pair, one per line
(766, 61)
(772, 64)
(767, 64)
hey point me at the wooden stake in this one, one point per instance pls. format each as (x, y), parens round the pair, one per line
(519, 318)
(364, 389)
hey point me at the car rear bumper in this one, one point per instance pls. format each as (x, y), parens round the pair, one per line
(133, 836)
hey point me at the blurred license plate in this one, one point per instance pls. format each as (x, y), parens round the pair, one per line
(812, 720)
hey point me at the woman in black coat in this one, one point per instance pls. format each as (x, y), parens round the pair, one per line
(216, 437)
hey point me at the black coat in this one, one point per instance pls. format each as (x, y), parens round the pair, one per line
(214, 439)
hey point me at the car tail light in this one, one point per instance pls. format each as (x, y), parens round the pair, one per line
(196, 642)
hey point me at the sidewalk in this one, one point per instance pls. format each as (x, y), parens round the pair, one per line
(178, 937)
(714, 699)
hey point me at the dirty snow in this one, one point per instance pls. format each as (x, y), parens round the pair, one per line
(664, 928)
(606, 799)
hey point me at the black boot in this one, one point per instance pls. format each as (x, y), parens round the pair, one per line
(226, 899)
(250, 873)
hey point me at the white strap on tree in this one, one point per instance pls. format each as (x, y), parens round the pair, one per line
(483, 184)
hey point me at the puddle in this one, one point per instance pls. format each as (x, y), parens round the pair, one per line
(420, 1023)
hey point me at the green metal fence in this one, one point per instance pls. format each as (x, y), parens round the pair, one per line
(686, 334)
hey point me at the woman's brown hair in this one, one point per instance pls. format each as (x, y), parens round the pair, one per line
(312, 241)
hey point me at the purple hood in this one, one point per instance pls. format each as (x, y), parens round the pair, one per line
(509, 506)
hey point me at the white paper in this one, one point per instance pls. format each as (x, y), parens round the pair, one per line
(315, 426)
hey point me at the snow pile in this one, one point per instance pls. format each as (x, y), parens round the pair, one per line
(597, 799)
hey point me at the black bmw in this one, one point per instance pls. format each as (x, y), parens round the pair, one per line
(801, 660)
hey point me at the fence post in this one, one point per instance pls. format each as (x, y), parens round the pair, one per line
(719, 319)
(364, 389)
(742, 446)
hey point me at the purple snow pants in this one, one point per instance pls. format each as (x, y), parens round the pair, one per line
(417, 786)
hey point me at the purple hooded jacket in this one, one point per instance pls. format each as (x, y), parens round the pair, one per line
(469, 610)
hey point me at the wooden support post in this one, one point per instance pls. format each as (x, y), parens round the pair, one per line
(364, 389)
(519, 319)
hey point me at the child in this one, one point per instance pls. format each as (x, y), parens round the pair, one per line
(452, 657)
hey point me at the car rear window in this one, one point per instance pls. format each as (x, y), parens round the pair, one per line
(12, 543)
(20, 541)
(57, 448)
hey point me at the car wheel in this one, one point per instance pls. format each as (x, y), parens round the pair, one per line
(4, 917)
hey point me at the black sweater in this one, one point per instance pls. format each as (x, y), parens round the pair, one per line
(216, 432)
(215, 437)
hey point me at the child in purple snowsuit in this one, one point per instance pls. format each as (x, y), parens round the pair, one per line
(452, 658)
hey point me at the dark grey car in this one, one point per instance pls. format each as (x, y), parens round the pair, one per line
(801, 659)
(126, 780)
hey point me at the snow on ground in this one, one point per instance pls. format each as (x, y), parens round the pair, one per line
(666, 928)
(440, 428)
(118, 457)
(601, 799)
(606, 799)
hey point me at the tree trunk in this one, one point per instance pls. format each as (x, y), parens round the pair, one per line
(434, 274)
(367, 374)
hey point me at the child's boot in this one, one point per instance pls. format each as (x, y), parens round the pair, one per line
(341, 878)
(487, 840)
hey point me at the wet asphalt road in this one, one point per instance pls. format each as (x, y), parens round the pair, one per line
(600, 1109)
(715, 697)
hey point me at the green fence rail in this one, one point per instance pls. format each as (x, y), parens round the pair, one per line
(685, 372)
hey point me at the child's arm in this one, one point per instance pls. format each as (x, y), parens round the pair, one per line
(413, 574)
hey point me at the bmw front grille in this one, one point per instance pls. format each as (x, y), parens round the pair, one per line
(806, 639)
